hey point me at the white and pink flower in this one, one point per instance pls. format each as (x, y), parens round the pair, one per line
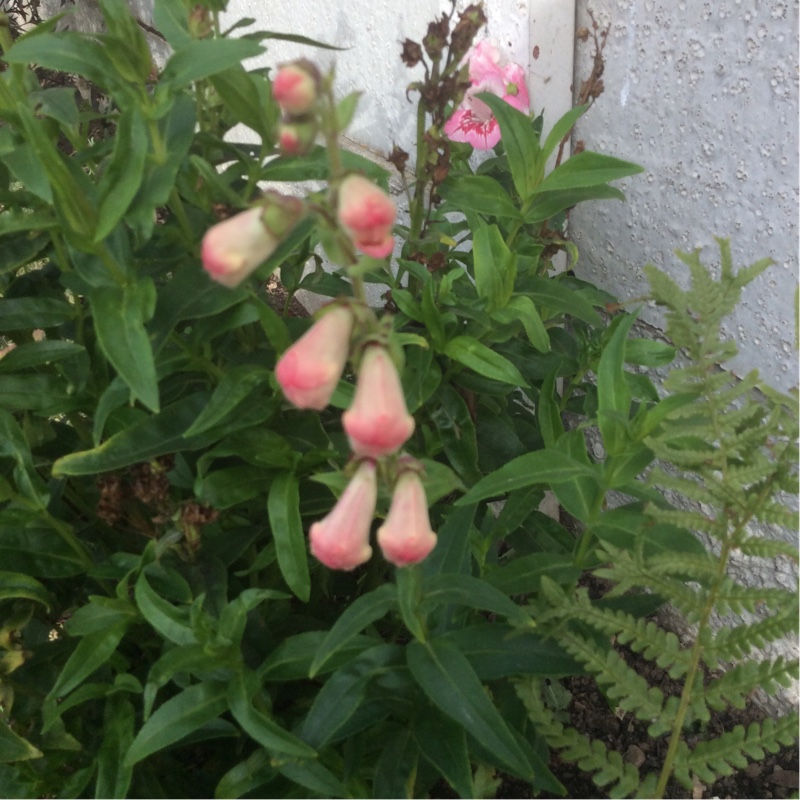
(309, 370)
(296, 87)
(377, 423)
(406, 537)
(367, 213)
(473, 121)
(236, 247)
(341, 540)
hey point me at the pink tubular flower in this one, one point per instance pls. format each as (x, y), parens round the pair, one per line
(406, 536)
(341, 540)
(296, 86)
(367, 213)
(234, 248)
(473, 121)
(378, 422)
(310, 369)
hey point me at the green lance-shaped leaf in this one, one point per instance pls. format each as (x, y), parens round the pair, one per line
(477, 356)
(283, 506)
(233, 389)
(457, 433)
(521, 143)
(443, 742)
(362, 612)
(440, 590)
(19, 586)
(560, 130)
(24, 313)
(257, 724)
(170, 621)
(587, 169)
(64, 51)
(495, 266)
(121, 180)
(113, 775)
(202, 58)
(14, 748)
(178, 717)
(150, 437)
(451, 684)
(119, 317)
(549, 467)
(91, 653)
(522, 309)
(613, 393)
(14, 445)
(479, 193)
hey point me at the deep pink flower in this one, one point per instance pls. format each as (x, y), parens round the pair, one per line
(367, 213)
(473, 121)
(310, 369)
(406, 536)
(234, 248)
(296, 86)
(378, 422)
(341, 540)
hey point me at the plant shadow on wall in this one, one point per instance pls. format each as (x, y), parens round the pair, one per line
(190, 601)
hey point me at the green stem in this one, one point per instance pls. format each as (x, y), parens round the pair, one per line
(417, 203)
(694, 666)
(176, 204)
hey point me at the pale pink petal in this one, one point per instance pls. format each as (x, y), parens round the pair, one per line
(341, 540)
(309, 371)
(406, 536)
(377, 423)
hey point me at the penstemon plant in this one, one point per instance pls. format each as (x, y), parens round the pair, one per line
(190, 602)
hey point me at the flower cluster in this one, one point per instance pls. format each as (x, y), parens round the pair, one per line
(377, 425)
(473, 121)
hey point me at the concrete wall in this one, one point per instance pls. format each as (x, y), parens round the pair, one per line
(704, 95)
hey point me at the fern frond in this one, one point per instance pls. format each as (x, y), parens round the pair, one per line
(759, 468)
(691, 520)
(683, 565)
(776, 514)
(759, 547)
(734, 598)
(622, 685)
(619, 778)
(737, 683)
(730, 644)
(717, 757)
(642, 636)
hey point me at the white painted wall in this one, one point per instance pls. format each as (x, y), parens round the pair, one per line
(703, 94)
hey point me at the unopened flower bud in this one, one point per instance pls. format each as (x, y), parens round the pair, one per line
(378, 422)
(296, 135)
(341, 540)
(406, 536)
(296, 86)
(367, 213)
(234, 248)
(309, 370)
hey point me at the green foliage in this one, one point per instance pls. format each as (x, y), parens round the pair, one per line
(726, 453)
(163, 628)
